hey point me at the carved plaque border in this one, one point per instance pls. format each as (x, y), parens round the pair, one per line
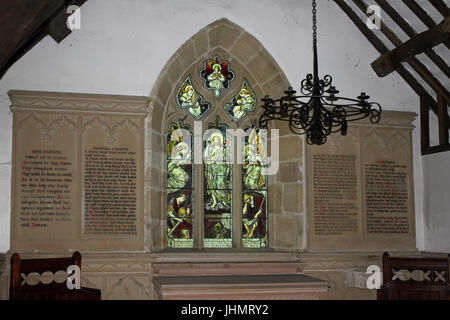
(387, 144)
(46, 125)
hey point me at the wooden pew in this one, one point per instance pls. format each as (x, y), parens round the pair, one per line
(415, 278)
(21, 290)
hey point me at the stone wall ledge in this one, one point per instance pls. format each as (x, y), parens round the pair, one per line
(78, 102)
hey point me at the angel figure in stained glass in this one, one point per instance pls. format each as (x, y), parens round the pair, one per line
(243, 103)
(217, 75)
(254, 155)
(189, 99)
(179, 155)
(216, 79)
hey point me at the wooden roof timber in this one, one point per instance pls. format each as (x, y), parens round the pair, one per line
(417, 66)
(422, 15)
(406, 27)
(25, 23)
(443, 126)
(440, 6)
(381, 48)
(422, 42)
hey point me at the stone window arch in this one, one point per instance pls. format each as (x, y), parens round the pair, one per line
(250, 62)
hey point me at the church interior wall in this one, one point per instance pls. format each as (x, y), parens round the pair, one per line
(147, 55)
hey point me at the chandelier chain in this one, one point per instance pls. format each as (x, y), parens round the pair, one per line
(314, 19)
(318, 111)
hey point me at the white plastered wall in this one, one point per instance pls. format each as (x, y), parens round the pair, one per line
(122, 46)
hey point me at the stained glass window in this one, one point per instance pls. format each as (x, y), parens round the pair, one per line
(217, 187)
(217, 75)
(254, 191)
(188, 98)
(214, 204)
(242, 103)
(180, 188)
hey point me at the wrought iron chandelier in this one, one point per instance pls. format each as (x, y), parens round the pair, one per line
(318, 112)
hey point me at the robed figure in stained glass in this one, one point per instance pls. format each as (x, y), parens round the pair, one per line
(217, 172)
(254, 216)
(179, 220)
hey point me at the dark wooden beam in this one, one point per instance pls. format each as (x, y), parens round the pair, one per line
(424, 126)
(406, 27)
(440, 6)
(442, 115)
(437, 149)
(25, 22)
(422, 15)
(57, 28)
(418, 66)
(381, 48)
(20, 20)
(421, 43)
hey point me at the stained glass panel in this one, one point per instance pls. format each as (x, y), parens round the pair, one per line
(180, 199)
(243, 102)
(217, 75)
(254, 191)
(188, 97)
(217, 188)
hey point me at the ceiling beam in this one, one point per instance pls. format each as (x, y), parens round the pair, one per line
(441, 7)
(422, 14)
(417, 66)
(381, 48)
(424, 126)
(443, 125)
(420, 43)
(406, 27)
(26, 22)
(57, 27)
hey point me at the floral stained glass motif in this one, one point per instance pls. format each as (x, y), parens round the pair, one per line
(217, 75)
(243, 102)
(254, 189)
(217, 151)
(180, 191)
(188, 98)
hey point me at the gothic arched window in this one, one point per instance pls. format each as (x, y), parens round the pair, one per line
(219, 202)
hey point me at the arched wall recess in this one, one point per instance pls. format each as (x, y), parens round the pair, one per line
(250, 62)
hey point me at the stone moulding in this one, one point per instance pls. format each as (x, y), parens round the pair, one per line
(79, 102)
(398, 119)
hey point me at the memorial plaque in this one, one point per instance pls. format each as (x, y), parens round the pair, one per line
(112, 172)
(387, 198)
(334, 189)
(360, 187)
(77, 172)
(335, 194)
(110, 196)
(388, 184)
(44, 168)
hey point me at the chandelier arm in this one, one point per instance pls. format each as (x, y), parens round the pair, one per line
(299, 119)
